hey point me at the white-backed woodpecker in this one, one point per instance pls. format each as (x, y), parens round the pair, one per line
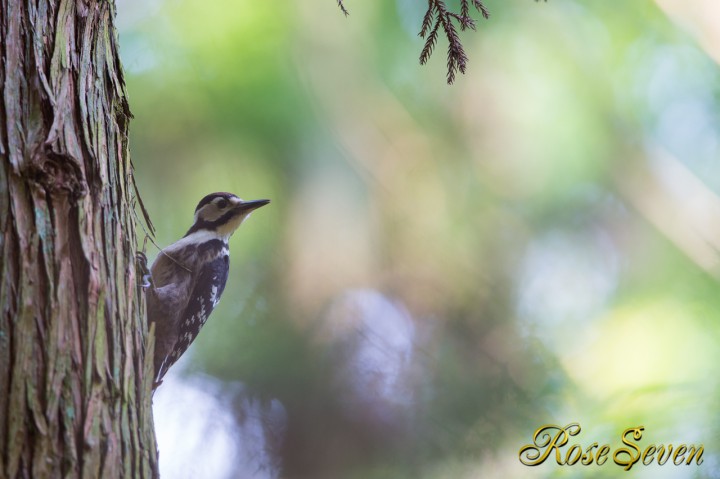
(188, 277)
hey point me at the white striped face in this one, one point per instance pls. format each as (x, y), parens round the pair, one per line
(217, 207)
(222, 213)
(229, 227)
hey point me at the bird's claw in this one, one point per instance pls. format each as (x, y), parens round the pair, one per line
(146, 278)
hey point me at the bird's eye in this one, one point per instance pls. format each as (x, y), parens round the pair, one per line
(222, 204)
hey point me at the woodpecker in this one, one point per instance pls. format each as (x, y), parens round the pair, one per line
(188, 277)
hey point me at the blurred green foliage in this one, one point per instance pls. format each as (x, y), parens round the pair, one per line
(529, 220)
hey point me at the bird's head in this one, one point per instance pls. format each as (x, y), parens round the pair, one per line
(222, 213)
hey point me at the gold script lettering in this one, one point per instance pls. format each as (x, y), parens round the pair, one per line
(545, 439)
(631, 458)
(602, 454)
(692, 451)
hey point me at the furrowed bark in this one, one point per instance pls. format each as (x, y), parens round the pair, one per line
(75, 385)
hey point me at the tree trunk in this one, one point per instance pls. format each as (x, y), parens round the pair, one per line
(75, 384)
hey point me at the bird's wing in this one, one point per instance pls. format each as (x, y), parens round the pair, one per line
(205, 295)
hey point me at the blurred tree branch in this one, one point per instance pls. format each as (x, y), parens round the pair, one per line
(438, 15)
(701, 18)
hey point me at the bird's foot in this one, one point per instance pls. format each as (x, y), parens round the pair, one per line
(146, 277)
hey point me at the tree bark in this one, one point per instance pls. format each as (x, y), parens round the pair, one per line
(75, 376)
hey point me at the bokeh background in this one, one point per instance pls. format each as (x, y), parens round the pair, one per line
(442, 269)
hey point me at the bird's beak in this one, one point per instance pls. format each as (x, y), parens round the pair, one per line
(248, 206)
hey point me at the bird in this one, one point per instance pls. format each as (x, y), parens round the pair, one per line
(186, 280)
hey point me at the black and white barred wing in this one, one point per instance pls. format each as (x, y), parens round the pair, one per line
(203, 299)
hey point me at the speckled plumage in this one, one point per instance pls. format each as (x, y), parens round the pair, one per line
(189, 276)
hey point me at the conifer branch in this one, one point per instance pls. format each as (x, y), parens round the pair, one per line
(438, 15)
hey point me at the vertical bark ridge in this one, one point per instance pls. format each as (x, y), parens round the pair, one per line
(75, 385)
